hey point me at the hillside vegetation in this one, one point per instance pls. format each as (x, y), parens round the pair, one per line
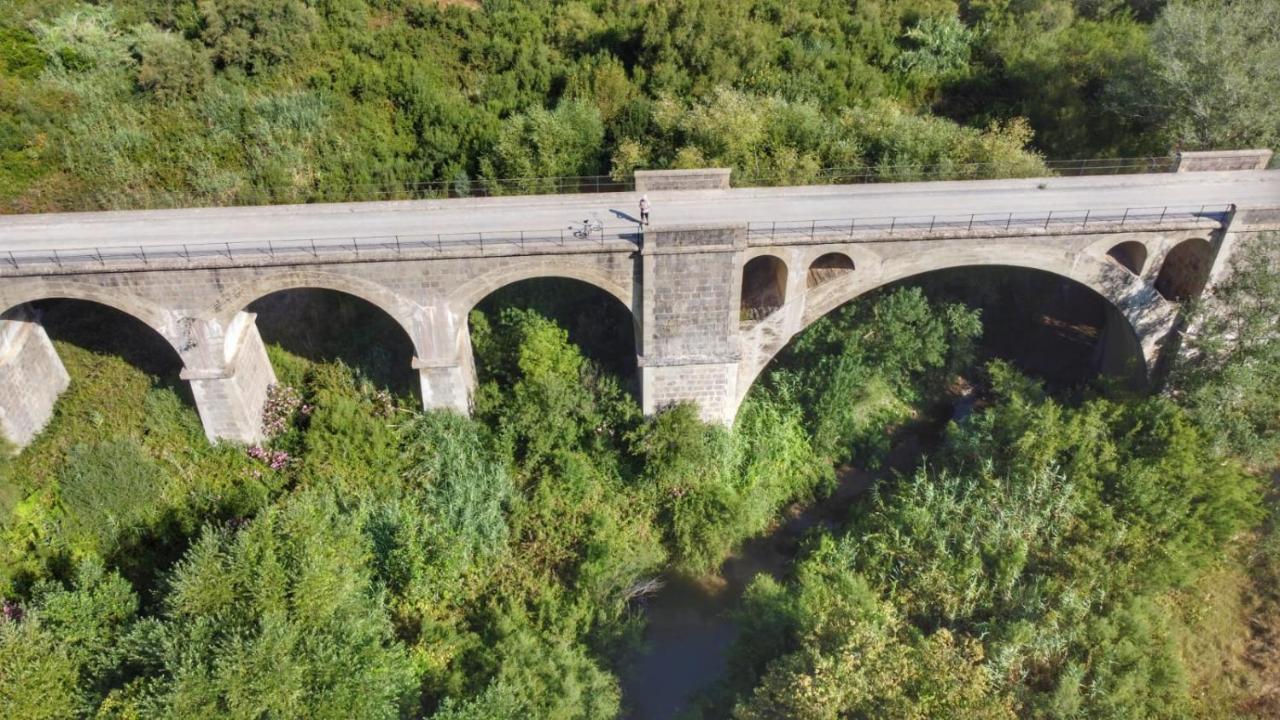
(1090, 552)
(140, 103)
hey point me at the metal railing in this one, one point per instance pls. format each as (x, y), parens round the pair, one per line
(784, 232)
(295, 250)
(492, 187)
(781, 232)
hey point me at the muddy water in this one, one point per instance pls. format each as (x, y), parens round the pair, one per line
(690, 631)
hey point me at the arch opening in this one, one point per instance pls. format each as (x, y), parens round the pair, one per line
(596, 321)
(320, 325)
(764, 287)
(86, 334)
(1130, 255)
(1051, 327)
(1185, 270)
(827, 268)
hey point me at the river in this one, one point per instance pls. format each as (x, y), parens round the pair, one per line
(690, 631)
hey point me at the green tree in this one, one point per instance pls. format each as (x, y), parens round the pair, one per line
(1212, 76)
(1228, 368)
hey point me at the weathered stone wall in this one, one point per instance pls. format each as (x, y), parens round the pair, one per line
(701, 179)
(230, 398)
(712, 387)
(31, 377)
(684, 286)
(1222, 160)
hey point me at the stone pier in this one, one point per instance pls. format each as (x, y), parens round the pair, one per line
(229, 375)
(689, 340)
(31, 376)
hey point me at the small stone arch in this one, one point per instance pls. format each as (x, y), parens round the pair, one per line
(466, 296)
(245, 294)
(1185, 270)
(145, 312)
(1130, 255)
(828, 267)
(764, 287)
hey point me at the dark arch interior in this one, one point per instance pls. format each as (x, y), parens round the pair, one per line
(1131, 255)
(327, 325)
(764, 287)
(828, 267)
(1185, 270)
(1049, 326)
(597, 322)
(104, 330)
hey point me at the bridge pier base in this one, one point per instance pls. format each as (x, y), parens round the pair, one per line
(447, 386)
(711, 386)
(31, 376)
(230, 395)
(689, 333)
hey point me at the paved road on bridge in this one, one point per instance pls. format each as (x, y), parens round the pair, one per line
(547, 213)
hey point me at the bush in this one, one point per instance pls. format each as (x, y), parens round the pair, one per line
(108, 492)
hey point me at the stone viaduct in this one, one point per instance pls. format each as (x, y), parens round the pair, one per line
(721, 281)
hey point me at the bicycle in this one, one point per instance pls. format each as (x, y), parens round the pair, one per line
(589, 228)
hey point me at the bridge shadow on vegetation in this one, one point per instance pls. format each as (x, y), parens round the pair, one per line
(1049, 327)
(597, 323)
(327, 326)
(104, 330)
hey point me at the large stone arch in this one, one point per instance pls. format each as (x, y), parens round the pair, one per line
(1148, 317)
(406, 313)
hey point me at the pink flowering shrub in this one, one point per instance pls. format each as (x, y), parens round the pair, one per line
(283, 401)
(275, 459)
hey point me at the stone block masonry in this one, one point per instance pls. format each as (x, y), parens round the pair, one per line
(1214, 160)
(658, 180)
(31, 376)
(682, 279)
(230, 398)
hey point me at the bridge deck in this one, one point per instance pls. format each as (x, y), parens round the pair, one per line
(255, 227)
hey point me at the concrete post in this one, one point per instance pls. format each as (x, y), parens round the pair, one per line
(31, 376)
(692, 282)
(229, 374)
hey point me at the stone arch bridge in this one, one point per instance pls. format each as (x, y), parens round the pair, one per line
(716, 286)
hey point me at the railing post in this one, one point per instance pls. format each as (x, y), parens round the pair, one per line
(852, 224)
(813, 230)
(1008, 221)
(313, 248)
(773, 233)
(228, 250)
(522, 240)
(56, 258)
(1086, 217)
(271, 248)
(893, 222)
(932, 221)
(13, 260)
(143, 252)
(1047, 219)
(970, 222)
(1125, 217)
(481, 236)
(1162, 213)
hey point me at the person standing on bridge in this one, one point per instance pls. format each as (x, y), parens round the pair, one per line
(644, 209)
